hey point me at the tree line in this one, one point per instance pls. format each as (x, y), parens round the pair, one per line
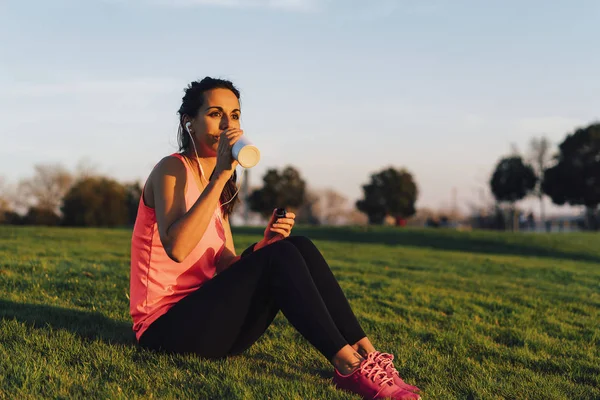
(570, 176)
(54, 196)
(390, 192)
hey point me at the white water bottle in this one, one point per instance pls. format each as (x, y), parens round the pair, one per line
(245, 153)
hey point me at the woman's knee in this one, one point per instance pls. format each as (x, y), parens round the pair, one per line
(306, 246)
(301, 242)
(284, 248)
(284, 252)
(287, 263)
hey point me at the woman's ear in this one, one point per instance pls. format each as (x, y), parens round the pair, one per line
(187, 123)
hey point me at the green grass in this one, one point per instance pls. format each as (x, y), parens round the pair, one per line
(468, 315)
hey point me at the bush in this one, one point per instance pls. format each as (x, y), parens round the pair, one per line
(41, 216)
(95, 201)
(11, 218)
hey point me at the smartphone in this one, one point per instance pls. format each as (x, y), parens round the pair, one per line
(280, 213)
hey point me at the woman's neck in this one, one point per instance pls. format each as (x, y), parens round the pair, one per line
(208, 163)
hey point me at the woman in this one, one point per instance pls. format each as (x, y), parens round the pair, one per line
(190, 292)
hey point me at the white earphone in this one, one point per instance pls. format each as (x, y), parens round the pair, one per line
(189, 131)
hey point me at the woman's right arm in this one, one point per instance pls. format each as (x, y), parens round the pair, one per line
(180, 231)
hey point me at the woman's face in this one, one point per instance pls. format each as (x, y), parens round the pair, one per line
(219, 111)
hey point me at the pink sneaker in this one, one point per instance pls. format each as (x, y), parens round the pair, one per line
(385, 362)
(371, 382)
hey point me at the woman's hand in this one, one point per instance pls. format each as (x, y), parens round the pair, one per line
(226, 164)
(277, 229)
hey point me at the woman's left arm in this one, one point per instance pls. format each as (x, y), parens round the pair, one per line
(228, 255)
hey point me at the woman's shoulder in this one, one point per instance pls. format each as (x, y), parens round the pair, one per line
(172, 164)
(169, 166)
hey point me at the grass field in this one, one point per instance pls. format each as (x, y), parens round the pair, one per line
(468, 315)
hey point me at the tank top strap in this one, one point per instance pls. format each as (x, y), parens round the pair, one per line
(192, 178)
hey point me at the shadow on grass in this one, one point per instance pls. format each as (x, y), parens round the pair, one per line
(263, 360)
(85, 324)
(437, 239)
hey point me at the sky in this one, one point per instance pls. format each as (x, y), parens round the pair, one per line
(339, 89)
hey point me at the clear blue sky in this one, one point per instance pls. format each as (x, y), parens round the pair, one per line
(336, 88)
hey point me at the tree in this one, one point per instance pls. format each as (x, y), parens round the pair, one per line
(41, 216)
(323, 206)
(4, 210)
(133, 193)
(512, 181)
(575, 178)
(4, 199)
(331, 206)
(46, 188)
(308, 212)
(95, 201)
(356, 217)
(85, 168)
(539, 158)
(11, 218)
(390, 192)
(286, 189)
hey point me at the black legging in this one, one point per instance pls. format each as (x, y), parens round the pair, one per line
(227, 314)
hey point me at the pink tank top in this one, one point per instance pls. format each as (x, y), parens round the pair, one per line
(157, 282)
